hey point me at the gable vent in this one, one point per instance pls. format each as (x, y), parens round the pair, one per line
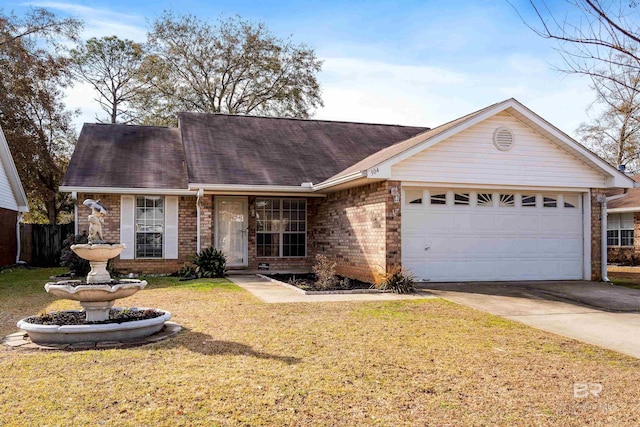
(503, 139)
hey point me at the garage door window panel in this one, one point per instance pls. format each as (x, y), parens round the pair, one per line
(571, 201)
(439, 198)
(528, 201)
(461, 199)
(549, 202)
(413, 197)
(485, 199)
(507, 200)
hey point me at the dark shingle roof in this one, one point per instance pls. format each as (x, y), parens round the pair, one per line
(128, 157)
(631, 200)
(228, 149)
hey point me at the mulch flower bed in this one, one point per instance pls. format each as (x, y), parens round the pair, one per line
(63, 318)
(307, 282)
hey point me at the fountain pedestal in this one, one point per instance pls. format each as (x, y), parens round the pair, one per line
(97, 311)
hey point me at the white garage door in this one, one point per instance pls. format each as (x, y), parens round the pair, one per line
(455, 235)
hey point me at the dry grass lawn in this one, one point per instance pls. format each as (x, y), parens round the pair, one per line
(243, 362)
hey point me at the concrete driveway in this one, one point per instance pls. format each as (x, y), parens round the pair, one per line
(593, 312)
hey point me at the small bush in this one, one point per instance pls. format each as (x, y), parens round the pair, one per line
(325, 271)
(399, 281)
(210, 262)
(79, 267)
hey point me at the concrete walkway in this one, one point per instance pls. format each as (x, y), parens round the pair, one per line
(596, 313)
(271, 292)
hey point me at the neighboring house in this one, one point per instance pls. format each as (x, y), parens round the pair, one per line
(13, 203)
(623, 226)
(499, 194)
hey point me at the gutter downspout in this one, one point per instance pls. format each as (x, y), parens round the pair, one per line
(74, 197)
(199, 195)
(603, 231)
(603, 237)
(20, 216)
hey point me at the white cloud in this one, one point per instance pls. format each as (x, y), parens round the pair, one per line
(100, 22)
(376, 92)
(81, 96)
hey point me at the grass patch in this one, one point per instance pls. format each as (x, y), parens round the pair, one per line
(627, 282)
(243, 362)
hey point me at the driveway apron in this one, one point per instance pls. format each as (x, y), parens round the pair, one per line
(596, 313)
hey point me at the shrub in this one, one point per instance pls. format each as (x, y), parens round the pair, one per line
(79, 267)
(398, 281)
(210, 262)
(325, 271)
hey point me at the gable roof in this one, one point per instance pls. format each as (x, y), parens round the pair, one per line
(122, 156)
(400, 147)
(8, 168)
(383, 160)
(231, 149)
(231, 153)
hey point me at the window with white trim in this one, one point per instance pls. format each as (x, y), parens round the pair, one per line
(620, 229)
(149, 226)
(281, 227)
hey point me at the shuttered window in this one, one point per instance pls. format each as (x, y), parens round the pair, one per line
(149, 226)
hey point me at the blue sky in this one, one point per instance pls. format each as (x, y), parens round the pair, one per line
(403, 62)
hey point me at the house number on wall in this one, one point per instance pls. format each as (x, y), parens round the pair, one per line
(374, 171)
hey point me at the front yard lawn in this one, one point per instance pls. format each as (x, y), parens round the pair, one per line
(240, 361)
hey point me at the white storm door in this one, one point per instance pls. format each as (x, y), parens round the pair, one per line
(231, 229)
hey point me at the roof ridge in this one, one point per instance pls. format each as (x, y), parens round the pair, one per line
(301, 119)
(131, 125)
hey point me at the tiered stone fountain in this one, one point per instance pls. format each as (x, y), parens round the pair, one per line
(97, 296)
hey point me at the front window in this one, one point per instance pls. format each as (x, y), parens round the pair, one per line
(620, 229)
(281, 227)
(149, 226)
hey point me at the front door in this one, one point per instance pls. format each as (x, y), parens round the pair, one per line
(231, 229)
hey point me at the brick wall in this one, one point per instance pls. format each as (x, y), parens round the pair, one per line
(8, 245)
(359, 228)
(111, 232)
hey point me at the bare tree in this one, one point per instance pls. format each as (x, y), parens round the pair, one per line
(112, 67)
(593, 37)
(615, 133)
(235, 67)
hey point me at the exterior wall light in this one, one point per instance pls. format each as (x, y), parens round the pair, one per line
(396, 194)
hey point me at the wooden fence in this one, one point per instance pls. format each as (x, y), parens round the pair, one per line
(41, 244)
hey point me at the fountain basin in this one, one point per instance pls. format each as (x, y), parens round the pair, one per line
(74, 290)
(98, 255)
(98, 251)
(71, 334)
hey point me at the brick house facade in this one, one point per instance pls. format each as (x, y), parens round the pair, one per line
(359, 228)
(449, 204)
